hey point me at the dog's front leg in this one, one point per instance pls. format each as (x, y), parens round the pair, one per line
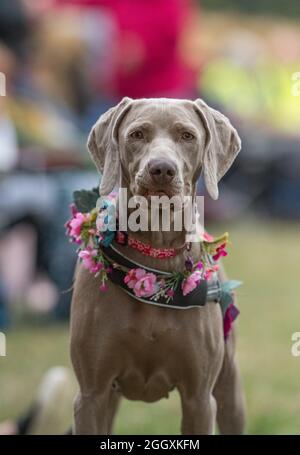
(94, 413)
(198, 414)
(229, 393)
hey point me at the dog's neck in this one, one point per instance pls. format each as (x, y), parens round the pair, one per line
(162, 239)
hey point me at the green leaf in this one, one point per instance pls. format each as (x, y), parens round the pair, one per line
(226, 297)
(229, 285)
(225, 300)
(85, 200)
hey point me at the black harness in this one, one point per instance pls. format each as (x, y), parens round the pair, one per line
(206, 291)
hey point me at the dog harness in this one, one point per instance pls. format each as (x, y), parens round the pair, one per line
(100, 252)
(205, 291)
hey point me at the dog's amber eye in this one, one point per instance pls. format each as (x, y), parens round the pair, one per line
(186, 136)
(137, 135)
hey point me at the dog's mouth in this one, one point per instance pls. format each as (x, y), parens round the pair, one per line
(149, 190)
(144, 186)
(157, 192)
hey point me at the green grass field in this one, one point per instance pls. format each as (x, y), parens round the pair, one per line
(266, 258)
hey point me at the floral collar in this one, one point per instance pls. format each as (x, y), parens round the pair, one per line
(98, 251)
(144, 248)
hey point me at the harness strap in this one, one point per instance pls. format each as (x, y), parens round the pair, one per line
(203, 293)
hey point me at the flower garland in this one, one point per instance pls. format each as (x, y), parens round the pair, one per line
(90, 231)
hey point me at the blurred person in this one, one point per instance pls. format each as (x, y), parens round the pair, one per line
(234, 67)
(13, 32)
(266, 176)
(54, 96)
(32, 230)
(148, 61)
(8, 139)
(283, 62)
(14, 26)
(31, 221)
(90, 53)
(261, 70)
(46, 118)
(73, 61)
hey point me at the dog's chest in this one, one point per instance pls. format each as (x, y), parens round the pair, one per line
(158, 348)
(149, 370)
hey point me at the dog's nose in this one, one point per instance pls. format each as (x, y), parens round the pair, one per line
(162, 171)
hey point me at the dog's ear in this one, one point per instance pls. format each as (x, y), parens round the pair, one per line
(103, 144)
(222, 146)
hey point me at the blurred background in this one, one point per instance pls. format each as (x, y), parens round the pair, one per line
(67, 61)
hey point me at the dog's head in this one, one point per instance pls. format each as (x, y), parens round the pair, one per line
(161, 146)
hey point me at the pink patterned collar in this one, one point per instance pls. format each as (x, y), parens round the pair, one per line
(146, 249)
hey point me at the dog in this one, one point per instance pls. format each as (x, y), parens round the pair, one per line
(121, 347)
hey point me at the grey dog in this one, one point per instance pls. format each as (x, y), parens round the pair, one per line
(122, 347)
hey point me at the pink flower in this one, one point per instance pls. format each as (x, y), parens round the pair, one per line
(220, 252)
(207, 237)
(170, 293)
(191, 282)
(75, 224)
(103, 287)
(88, 259)
(143, 284)
(133, 276)
(208, 273)
(73, 209)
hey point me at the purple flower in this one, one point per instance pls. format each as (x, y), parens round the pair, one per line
(189, 264)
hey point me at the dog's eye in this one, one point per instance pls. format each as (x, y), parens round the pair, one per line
(137, 135)
(187, 136)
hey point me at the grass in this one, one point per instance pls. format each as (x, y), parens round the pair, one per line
(266, 258)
